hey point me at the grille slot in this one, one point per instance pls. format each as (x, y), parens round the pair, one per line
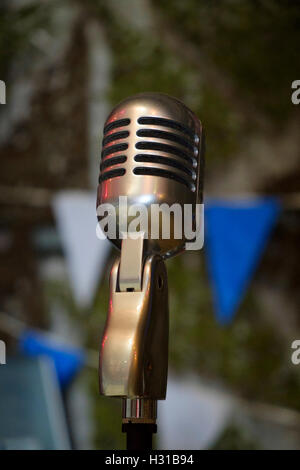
(112, 161)
(115, 136)
(146, 158)
(164, 148)
(156, 121)
(111, 174)
(114, 149)
(115, 124)
(165, 174)
(165, 135)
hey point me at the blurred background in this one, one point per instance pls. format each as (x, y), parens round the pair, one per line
(65, 64)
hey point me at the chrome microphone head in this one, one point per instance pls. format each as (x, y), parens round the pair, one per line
(153, 153)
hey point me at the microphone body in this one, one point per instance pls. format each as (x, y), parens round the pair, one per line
(153, 153)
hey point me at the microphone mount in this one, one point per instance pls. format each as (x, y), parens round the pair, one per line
(134, 352)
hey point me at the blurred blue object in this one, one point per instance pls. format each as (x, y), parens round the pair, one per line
(236, 235)
(67, 360)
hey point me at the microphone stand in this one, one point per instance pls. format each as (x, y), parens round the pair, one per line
(139, 426)
(134, 351)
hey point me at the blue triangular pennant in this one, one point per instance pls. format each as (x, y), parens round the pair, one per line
(67, 360)
(236, 235)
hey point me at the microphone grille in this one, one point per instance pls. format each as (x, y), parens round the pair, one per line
(166, 143)
(152, 153)
(152, 135)
(113, 154)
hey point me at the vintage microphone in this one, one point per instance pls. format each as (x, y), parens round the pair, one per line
(153, 153)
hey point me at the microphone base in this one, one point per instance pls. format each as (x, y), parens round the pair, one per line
(139, 422)
(139, 410)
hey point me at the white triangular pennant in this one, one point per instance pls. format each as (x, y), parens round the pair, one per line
(75, 213)
(203, 414)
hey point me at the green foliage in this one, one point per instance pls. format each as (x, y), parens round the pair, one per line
(247, 356)
(16, 28)
(143, 63)
(235, 438)
(255, 43)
